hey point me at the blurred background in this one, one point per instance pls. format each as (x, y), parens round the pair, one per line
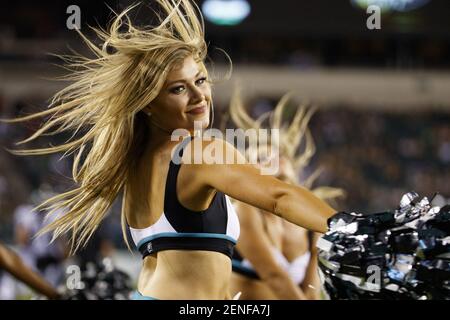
(383, 98)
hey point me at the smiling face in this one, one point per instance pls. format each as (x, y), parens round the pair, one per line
(184, 98)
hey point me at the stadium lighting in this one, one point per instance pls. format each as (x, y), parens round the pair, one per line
(226, 12)
(391, 5)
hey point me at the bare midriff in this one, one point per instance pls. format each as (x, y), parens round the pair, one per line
(186, 274)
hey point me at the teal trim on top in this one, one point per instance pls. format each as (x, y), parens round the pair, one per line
(185, 235)
(138, 296)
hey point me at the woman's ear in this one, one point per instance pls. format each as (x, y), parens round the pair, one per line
(148, 110)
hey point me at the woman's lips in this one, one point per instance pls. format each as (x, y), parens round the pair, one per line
(198, 110)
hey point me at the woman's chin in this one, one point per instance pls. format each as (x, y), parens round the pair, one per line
(200, 123)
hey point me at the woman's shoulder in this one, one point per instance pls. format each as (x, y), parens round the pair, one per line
(211, 150)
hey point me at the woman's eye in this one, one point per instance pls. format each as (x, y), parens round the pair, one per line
(177, 90)
(201, 80)
(180, 89)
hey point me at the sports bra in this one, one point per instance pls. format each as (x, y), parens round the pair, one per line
(179, 228)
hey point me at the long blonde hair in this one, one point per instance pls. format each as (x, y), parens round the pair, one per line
(292, 135)
(102, 109)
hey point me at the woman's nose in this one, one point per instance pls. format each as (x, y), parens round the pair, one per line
(197, 95)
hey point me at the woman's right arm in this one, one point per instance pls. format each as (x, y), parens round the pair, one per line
(245, 183)
(254, 245)
(311, 283)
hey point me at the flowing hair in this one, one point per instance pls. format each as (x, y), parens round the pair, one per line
(102, 108)
(293, 135)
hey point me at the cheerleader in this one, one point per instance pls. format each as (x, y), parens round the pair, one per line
(125, 103)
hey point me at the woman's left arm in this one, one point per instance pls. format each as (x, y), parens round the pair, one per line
(243, 181)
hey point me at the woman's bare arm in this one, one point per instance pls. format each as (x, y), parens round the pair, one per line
(311, 284)
(244, 182)
(254, 245)
(13, 264)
